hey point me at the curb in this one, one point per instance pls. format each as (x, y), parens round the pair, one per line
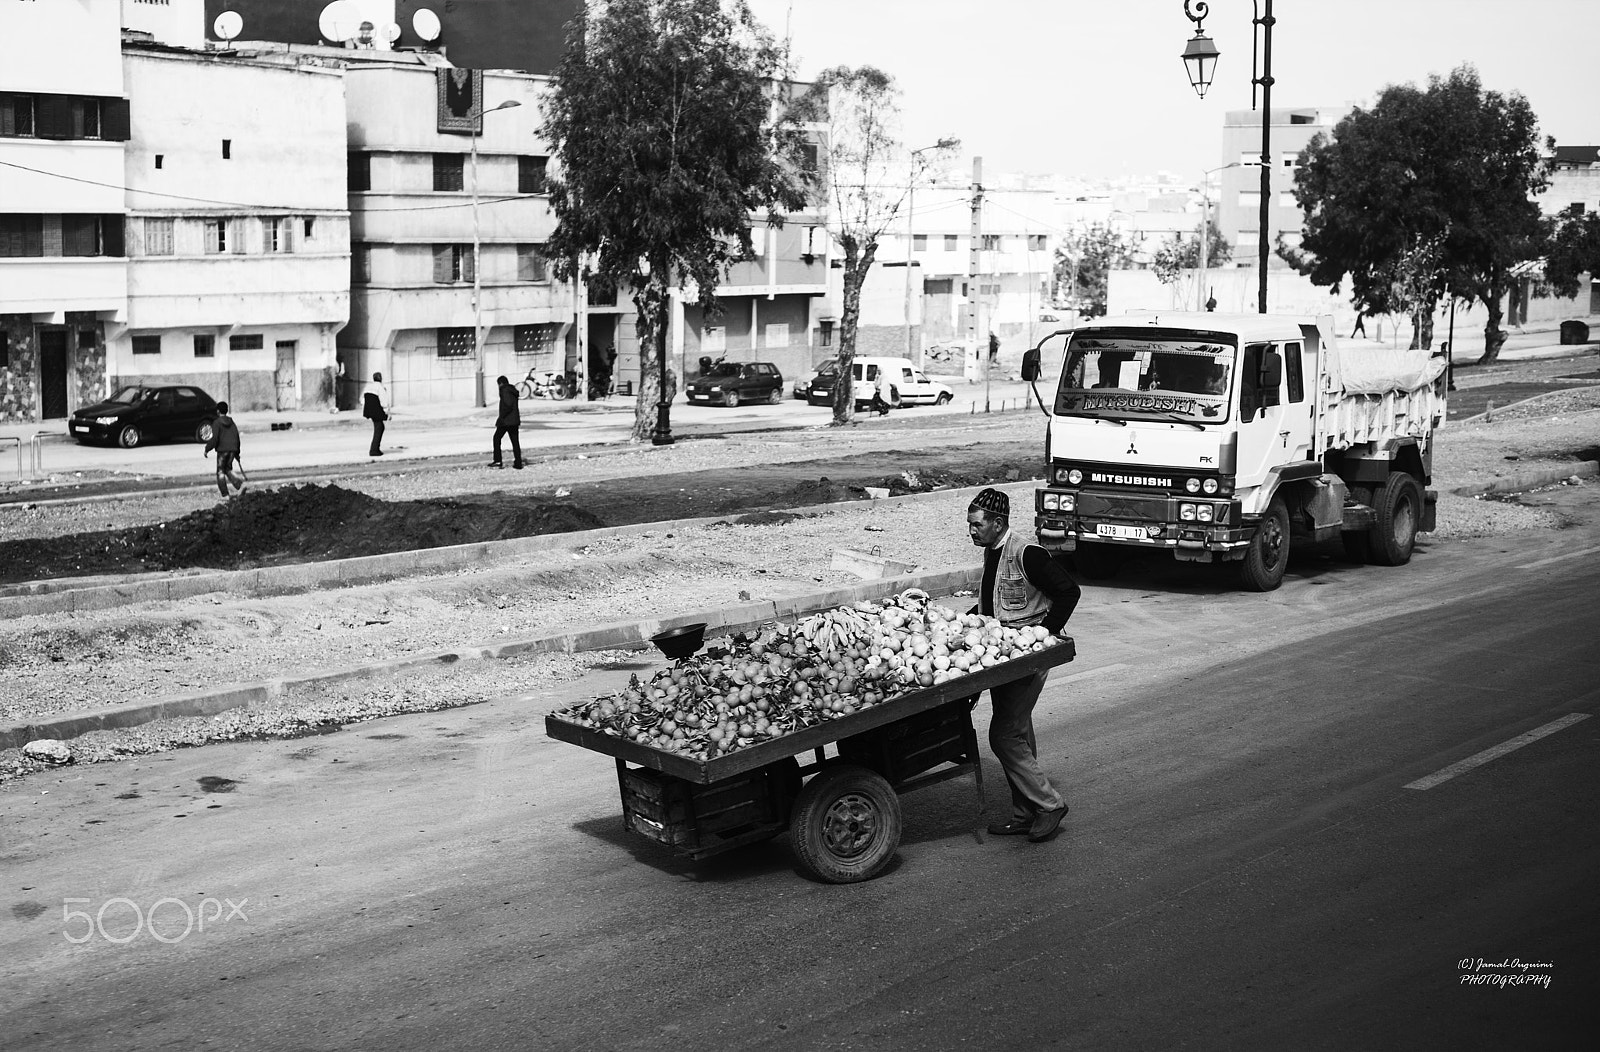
(68, 596)
(618, 635)
(1533, 479)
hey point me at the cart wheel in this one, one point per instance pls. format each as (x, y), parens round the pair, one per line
(846, 824)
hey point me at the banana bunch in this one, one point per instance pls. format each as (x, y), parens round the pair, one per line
(838, 629)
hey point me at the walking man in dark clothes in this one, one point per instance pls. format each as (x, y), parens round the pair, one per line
(507, 423)
(1022, 585)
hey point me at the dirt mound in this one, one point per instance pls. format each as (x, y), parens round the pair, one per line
(305, 523)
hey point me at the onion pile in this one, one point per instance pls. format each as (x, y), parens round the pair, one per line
(752, 689)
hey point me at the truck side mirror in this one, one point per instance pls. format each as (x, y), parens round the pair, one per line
(1271, 377)
(1030, 366)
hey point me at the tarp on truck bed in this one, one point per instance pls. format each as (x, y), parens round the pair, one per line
(1359, 369)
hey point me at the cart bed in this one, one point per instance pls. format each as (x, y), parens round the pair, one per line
(705, 772)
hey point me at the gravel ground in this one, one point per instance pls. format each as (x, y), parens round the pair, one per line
(55, 664)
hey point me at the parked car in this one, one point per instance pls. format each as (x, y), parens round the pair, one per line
(802, 386)
(733, 382)
(137, 414)
(909, 385)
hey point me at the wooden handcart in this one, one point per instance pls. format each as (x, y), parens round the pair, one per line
(843, 810)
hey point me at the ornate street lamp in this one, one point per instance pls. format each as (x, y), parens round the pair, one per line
(1200, 60)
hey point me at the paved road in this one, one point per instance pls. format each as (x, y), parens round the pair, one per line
(1245, 865)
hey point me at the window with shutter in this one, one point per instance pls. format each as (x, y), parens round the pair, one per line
(205, 345)
(531, 264)
(441, 264)
(114, 120)
(216, 236)
(531, 175)
(21, 234)
(53, 115)
(147, 344)
(158, 237)
(16, 115)
(80, 235)
(447, 171)
(236, 242)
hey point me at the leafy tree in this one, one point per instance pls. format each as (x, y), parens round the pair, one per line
(1179, 253)
(1084, 259)
(866, 169)
(666, 137)
(1574, 249)
(1452, 163)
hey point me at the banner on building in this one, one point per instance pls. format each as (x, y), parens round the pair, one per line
(460, 100)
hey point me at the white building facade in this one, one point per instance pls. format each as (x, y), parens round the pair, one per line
(63, 272)
(238, 233)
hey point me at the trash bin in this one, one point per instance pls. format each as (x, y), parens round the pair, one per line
(1574, 332)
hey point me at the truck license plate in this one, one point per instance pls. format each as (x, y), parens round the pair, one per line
(1127, 533)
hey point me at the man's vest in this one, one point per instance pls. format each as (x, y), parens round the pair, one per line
(1015, 601)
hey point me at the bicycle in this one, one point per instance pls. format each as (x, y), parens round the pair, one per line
(544, 385)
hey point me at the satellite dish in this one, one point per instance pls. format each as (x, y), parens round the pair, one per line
(338, 21)
(391, 32)
(228, 24)
(426, 23)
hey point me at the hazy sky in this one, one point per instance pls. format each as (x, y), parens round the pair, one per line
(1097, 86)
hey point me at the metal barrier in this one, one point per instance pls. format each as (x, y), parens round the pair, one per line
(36, 459)
(14, 440)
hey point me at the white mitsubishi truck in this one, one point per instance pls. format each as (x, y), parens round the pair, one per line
(1220, 437)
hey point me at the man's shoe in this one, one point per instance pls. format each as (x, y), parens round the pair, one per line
(517, 465)
(496, 464)
(1015, 827)
(1046, 823)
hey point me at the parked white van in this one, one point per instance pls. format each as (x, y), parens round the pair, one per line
(910, 386)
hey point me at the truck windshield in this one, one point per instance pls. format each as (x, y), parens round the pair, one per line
(1144, 378)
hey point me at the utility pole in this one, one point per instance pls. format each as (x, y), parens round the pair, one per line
(974, 297)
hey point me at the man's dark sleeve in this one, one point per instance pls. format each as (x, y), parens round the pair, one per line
(1051, 578)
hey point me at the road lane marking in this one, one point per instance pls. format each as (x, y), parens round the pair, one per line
(1557, 558)
(1495, 752)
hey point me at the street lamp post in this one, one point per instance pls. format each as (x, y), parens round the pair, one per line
(1205, 228)
(1200, 59)
(911, 208)
(477, 250)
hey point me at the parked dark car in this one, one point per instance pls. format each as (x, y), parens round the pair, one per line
(137, 414)
(733, 382)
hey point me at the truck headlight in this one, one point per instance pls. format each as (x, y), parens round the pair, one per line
(1058, 502)
(1205, 512)
(1210, 485)
(1075, 476)
(1192, 485)
(1186, 513)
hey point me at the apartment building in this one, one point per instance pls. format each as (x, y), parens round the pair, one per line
(63, 272)
(238, 234)
(446, 197)
(1238, 204)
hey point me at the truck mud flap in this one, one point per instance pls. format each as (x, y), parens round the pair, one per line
(1430, 506)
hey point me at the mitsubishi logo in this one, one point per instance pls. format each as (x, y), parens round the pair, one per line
(1132, 436)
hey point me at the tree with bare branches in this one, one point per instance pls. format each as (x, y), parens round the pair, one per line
(869, 174)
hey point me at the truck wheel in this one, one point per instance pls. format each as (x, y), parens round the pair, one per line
(1268, 555)
(1097, 562)
(846, 824)
(1399, 509)
(1356, 546)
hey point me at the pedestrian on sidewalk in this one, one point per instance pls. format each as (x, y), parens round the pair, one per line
(508, 423)
(1361, 326)
(225, 440)
(1022, 585)
(375, 407)
(882, 392)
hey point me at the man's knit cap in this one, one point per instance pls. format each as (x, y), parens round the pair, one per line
(992, 501)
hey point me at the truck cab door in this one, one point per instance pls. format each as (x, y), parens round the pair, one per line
(1263, 416)
(1299, 362)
